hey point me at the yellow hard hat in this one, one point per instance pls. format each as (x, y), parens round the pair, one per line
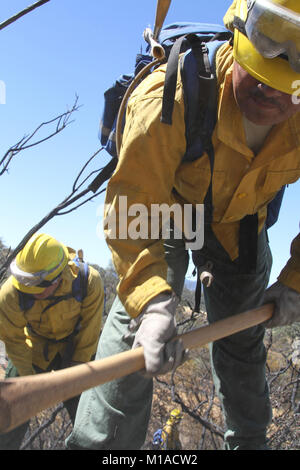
(267, 40)
(38, 264)
(176, 414)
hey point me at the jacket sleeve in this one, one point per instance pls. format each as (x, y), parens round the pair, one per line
(150, 155)
(91, 313)
(12, 324)
(290, 275)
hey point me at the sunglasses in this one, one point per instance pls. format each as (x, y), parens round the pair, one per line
(46, 283)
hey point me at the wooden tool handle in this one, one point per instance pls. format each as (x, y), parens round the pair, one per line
(24, 397)
(161, 13)
(157, 51)
(226, 327)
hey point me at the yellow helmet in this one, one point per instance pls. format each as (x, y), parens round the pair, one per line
(176, 414)
(267, 40)
(38, 264)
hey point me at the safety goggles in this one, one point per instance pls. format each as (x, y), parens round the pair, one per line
(273, 30)
(37, 279)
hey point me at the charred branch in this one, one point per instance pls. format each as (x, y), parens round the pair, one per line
(22, 13)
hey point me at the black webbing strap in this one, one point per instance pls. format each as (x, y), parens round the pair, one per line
(104, 175)
(69, 340)
(83, 281)
(204, 71)
(56, 300)
(70, 346)
(248, 244)
(201, 120)
(170, 82)
(198, 291)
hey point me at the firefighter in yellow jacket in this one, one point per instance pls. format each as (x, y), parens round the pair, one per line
(170, 439)
(50, 315)
(256, 152)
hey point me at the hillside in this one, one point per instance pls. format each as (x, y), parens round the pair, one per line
(192, 391)
(190, 284)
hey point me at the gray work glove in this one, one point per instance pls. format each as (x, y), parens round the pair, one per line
(156, 326)
(287, 305)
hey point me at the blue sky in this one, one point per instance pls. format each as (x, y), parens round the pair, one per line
(80, 47)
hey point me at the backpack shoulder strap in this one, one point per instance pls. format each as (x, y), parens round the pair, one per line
(26, 301)
(79, 285)
(198, 74)
(199, 85)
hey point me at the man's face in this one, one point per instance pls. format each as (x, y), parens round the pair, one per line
(48, 291)
(260, 103)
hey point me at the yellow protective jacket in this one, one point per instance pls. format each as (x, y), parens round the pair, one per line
(25, 348)
(170, 436)
(150, 167)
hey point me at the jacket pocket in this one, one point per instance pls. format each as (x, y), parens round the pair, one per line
(276, 179)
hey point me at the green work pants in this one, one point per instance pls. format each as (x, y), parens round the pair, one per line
(13, 439)
(238, 361)
(116, 415)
